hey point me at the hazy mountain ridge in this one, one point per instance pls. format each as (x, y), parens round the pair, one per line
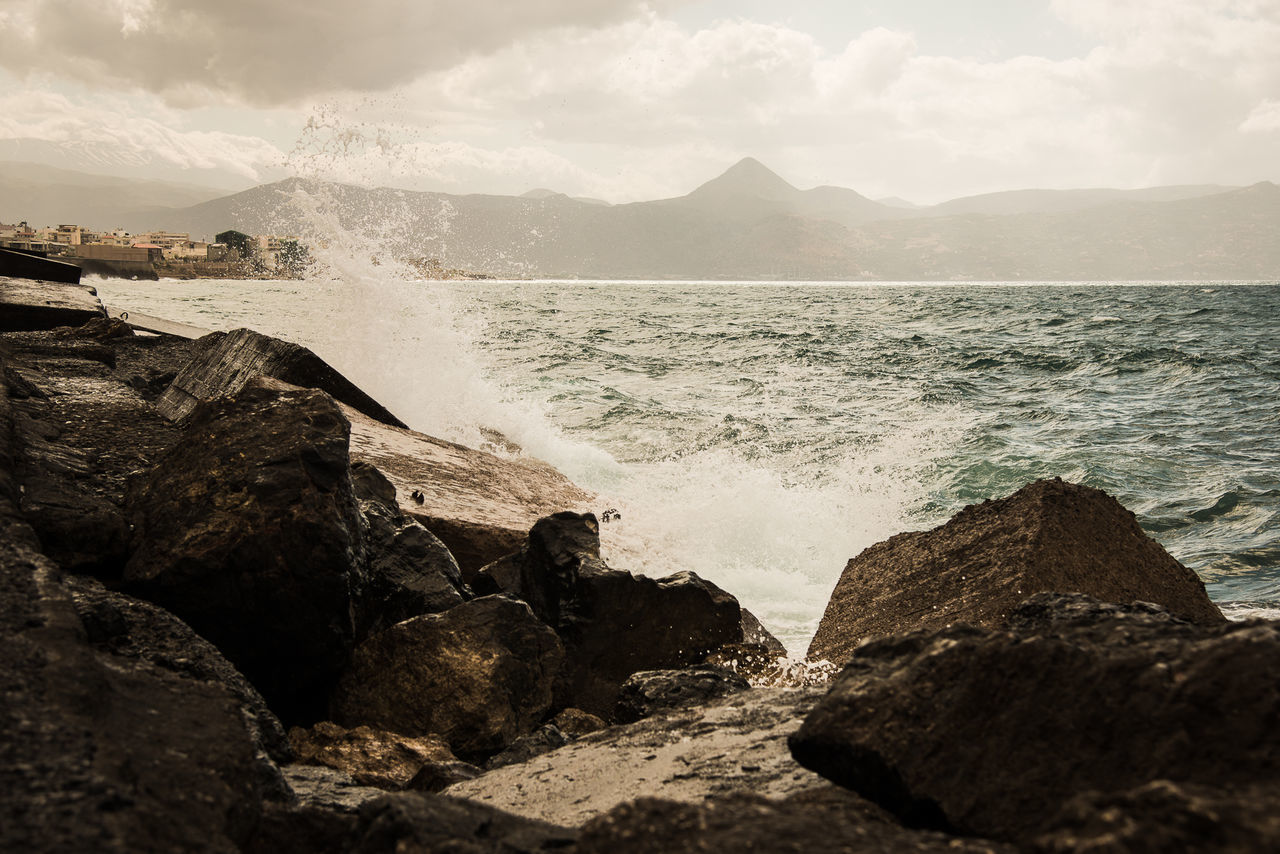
(749, 223)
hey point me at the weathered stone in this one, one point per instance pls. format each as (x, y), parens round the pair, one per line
(612, 623)
(32, 305)
(731, 745)
(250, 532)
(821, 821)
(576, 723)
(992, 732)
(329, 789)
(479, 675)
(133, 629)
(226, 361)
(649, 691)
(386, 760)
(1049, 536)
(544, 739)
(411, 822)
(438, 776)
(754, 632)
(409, 572)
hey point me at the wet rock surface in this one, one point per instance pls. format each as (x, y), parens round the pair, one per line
(991, 733)
(1049, 536)
(385, 760)
(650, 691)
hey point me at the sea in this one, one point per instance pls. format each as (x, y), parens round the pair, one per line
(761, 434)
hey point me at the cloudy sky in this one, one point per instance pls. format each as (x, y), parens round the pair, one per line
(623, 100)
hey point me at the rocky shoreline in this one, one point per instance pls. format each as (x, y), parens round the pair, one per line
(246, 609)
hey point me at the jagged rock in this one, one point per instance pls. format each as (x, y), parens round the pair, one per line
(612, 623)
(224, 362)
(479, 675)
(330, 789)
(650, 691)
(426, 822)
(754, 633)
(576, 723)
(821, 821)
(1165, 816)
(249, 530)
(133, 629)
(1048, 536)
(438, 776)
(544, 739)
(736, 744)
(386, 760)
(991, 732)
(410, 572)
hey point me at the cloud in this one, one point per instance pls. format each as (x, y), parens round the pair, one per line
(269, 52)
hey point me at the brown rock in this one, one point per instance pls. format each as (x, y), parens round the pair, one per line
(575, 722)
(1049, 536)
(386, 760)
(479, 676)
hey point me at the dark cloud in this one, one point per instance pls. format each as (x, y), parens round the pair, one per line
(275, 52)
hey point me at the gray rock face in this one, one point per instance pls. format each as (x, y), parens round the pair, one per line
(650, 691)
(990, 732)
(1049, 536)
(249, 530)
(224, 362)
(612, 623)
(479, 675)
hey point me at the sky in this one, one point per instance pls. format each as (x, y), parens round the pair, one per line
(624, 101)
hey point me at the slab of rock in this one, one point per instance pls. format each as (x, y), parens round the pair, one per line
(1049, 536)
(650, 691)
(424, 822)
(735, 744)
(378, 758)
(226, 361)
(480, 505)
(27, 304)
(250, 531)
(613, 623)
(479, 675)
(992, 732)
(819, 821)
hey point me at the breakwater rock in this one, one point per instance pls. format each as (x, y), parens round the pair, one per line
(459, 669)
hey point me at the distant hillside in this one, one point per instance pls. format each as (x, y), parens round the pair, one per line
(44, 195)
(751, 224)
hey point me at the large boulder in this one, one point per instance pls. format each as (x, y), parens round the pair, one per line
(250, 531)
(1049, 536)
(992, 732)
(613, 623)
(479, 675)
(225, 362)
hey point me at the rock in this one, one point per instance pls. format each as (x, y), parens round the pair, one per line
(731, 745)
(822, 821)
(1048, 536)
(544, 739)
(612, 623)
(386, 760)
(226, 361)
(480, 505)
(423, 822)
(754, 633)
(991, 732)
(26, 304)
(410, 572)
(438, 776)
(249, 530)
(133, 629)
(479, 675)
(329, 789)
(1165, 816)
(649, 691)
(576, 723)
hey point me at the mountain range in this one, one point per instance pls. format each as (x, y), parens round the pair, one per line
(749, 223)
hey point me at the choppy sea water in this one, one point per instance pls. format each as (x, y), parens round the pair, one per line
(762, 434)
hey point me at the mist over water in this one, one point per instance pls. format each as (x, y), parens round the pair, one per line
(763, 434)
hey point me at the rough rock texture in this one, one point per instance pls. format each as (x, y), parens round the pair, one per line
(992, 732)
(422, 822)
(612, 623)
(818, 821)
(575, 722)
(544, 739)
(249, 530)
(224, 362)
(32, 305)
(1049, 536)
(479, 675)
(324, 788)
(133, 629)
(650, 691)
(480, 505)
(409, 572)
(732, 745)
(386, 760)
(754, 632)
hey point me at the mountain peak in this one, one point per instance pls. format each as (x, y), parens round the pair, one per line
(747, 177)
